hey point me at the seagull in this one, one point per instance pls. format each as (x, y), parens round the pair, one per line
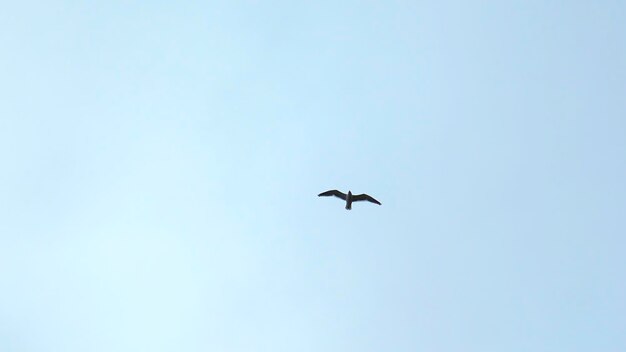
(349, 198)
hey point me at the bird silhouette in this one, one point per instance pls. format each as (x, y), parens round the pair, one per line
(349, 198)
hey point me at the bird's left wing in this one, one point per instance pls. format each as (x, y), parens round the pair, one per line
(333, 192)
(360, 197)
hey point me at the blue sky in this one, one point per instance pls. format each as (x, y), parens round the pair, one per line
(160, 161)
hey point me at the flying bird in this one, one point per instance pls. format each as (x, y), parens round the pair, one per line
(349, 198)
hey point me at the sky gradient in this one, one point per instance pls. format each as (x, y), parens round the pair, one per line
(160, 161)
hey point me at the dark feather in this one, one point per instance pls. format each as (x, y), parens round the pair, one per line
(360, 197)
(333, 192)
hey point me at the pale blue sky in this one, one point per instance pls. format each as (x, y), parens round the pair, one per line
(160, 161)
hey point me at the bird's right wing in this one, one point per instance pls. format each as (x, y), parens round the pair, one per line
(360, 197)
(333, 192)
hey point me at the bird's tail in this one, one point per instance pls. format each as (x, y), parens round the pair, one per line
(348, 205)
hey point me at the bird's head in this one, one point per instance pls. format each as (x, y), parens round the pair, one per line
(349, 193)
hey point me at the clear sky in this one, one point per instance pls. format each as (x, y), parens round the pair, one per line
(160, 163)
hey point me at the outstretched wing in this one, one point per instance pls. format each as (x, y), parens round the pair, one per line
(359, 197)
(333, 192)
